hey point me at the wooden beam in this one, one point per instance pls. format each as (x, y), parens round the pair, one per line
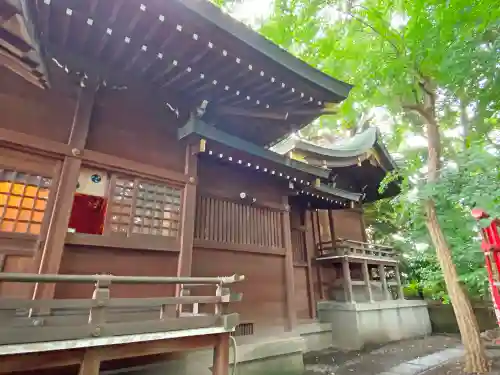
(281, 114)
(91, 363)
(366, 278)
(309, 257)
(46, 360)
(197, 126)
(347, 280)
(186, 234)
(53, 246)
(20, 68)
(33, 143)
(291, 316)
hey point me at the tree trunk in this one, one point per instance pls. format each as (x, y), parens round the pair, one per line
(475, 355)
(476, 360)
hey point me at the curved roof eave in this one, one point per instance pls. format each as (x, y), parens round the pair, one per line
(216, 16)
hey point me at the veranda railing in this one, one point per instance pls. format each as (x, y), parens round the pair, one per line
(28, 321)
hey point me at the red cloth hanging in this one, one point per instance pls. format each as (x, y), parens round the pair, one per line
(87, 214)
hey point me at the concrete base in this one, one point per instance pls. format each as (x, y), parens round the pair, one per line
(279, 354)
(317, 336)
(355, 325)
(341, 325)
(267, 356)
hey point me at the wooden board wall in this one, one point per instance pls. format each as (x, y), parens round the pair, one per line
(264, 286)
(127, 125)
(348, 224)
(28, 109)
(301, 295)
(229, 181)
(121, 262)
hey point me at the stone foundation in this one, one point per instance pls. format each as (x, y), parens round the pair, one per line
(266, 356)
(346, 326)
(355, 325)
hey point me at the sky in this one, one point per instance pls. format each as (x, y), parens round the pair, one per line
(251, 11)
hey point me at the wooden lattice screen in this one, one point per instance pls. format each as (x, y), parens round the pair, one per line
(299, 246)
(139, 207)
(225, 221)
(23, 201)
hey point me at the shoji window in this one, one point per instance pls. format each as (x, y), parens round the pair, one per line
(23, 201)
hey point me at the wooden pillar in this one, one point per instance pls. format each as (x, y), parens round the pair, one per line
(318, 225)
(383, 281)
(50, 258)
(221, 355)
(401, 294)
(309, 257)
(362, 223)
(91, 363)
(316, 253)
(366, 277)
(332, 227)
(291, 318)
(347, 280)
(188, 212)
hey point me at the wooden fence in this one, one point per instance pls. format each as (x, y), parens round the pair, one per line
(225, 221)
(29, 321)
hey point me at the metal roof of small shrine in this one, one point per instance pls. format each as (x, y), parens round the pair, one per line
(363, 159)
(188, 52)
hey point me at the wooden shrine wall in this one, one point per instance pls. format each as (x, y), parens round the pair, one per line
(130, 138)
(348, 224)
(128, 126)
(30, 110)
(120, 122)
(300, 262)
(79, 260)
(235, 237)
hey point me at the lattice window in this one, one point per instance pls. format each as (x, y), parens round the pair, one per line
(140, 207)
(23, 201)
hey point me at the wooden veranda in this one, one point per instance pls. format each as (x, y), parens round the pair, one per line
(55, 333)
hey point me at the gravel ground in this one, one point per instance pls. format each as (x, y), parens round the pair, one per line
(456, 368)
(376, 359)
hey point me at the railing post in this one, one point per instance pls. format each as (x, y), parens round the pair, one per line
(347, 280)
(366, 277)
(383, 281)
(401, 293)
(218, 305)
(98, 310)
